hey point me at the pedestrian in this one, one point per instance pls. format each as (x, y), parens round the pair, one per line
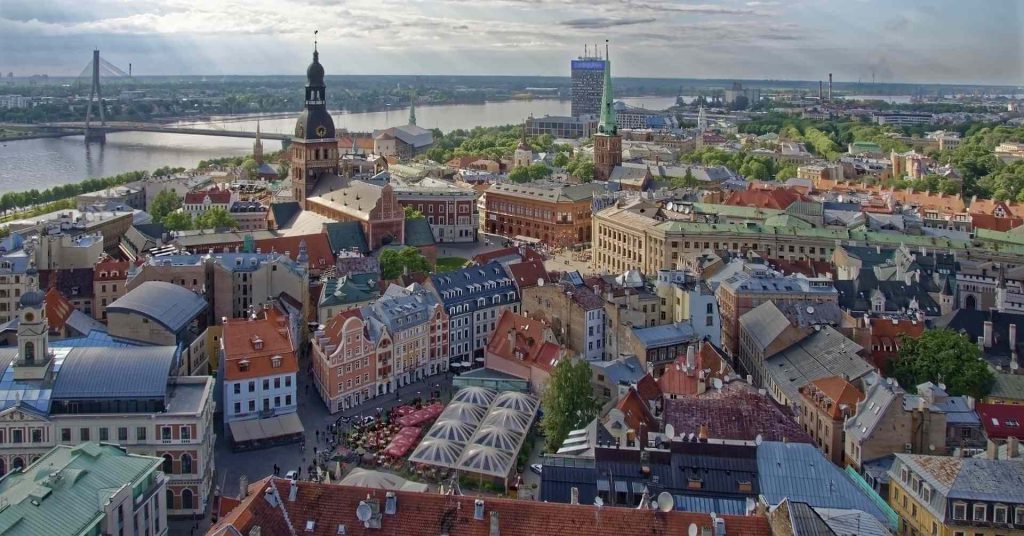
(318, 435)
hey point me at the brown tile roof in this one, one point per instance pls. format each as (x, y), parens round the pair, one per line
(257, 341)
(319, 510)
(525, 254)
(736, 412)
(58, 309)
(676, 381)
(943, 468)
(104, 270)
(989, 206)
(528, 274)
(637, 413)
(648, 388)
(839, 391)
(993, 223)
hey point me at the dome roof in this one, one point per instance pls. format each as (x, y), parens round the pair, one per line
(315, 71)
(32, 298)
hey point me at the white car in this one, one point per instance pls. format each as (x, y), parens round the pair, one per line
(536, 468)
(292, 475)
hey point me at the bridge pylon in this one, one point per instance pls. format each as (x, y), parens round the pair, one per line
(93, 133)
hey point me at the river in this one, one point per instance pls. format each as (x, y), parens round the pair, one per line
(42, 163)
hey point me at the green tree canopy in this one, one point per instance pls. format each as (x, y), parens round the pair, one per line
(215, 218)
(561, 159)
(520, 175)
(568, 401)
(393, 262)
(164, 203)
(177, 221)
(943, 356)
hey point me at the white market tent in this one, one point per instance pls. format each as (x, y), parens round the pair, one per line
(480, 432)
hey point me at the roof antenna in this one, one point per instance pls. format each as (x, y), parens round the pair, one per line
(314, 39)
(606, 56)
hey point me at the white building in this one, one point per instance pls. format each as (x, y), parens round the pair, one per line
(258, 366)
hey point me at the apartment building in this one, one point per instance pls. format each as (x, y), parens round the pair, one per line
(474, 299)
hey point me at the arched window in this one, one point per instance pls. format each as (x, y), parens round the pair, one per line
(3, 467)
(186, 499)
(168, 467)
(30, 352)
(186, 464)
(170, 499)
(17, 464)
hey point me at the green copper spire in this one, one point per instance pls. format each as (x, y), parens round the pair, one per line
(608, 124)
(412, 109)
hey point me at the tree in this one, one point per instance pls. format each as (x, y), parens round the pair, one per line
(178, 221)
(249, 165)
(943, 356)
(561, 159)
(520, 175)
(215, 218)
(412, 214)
(164, 203)
(539, 171)
(786, 171)
(394, 262)
(568, 401)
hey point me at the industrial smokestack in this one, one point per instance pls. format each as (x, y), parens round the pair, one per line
(830, 87)
(821, 93)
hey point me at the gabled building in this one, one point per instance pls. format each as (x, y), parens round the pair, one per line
(258, 369)
(524, 348)
(198, 203)
(822, 354)
(948, 496)
(825, 405)
(474, 299)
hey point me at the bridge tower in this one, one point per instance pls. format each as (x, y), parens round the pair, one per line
(91, 133)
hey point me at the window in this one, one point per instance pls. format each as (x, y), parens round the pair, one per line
(186, 433)
(266, 384)
(288, 400)
(238, 408)
(37, 436)
(238, 388)
(1018, 515)
(277, 383)
(140, 433)
(122, 434)
(165, 433)
(979, 512)
(16, 436)
(252, 387)
(104, 434)
(287, 381)
(65, 435)
(252, 405)
(186, 464)
(1001, 513)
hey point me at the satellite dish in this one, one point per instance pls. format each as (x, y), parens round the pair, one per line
(692, 531)
(598, 502)
(758, 440)
(665, 502)
(717, 383)
(714, 515)
(364, 512)
(670, 431)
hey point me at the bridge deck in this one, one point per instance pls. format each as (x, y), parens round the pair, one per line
(79, 127)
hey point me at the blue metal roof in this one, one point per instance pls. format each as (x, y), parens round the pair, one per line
(459, 287)
(171, 306)
(142, 373)
(800, 472)
(706, 505)
(666, 335)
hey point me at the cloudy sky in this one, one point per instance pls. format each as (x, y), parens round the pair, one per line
(967, 41)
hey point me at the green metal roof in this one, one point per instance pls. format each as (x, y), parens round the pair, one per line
(734, 211)
(349, 289)
(786, 220)
(418, 233)
(1008, 386)
(64, 492)
(345, 236)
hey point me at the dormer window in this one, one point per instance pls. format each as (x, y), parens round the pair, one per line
(275, 362)
(243, 365)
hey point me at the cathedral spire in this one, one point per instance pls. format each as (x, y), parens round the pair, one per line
(608, 124)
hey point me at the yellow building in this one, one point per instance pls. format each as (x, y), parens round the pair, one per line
(951, 496)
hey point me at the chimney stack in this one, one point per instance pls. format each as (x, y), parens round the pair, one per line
(691, 359)
(821, 95)
(495, 528)
(988, 334)
(981, 343)
(1012, 447)
(243, 486)
(830, 87)
(293, 491)
(991, 450)
(478, 509)
(574, 495)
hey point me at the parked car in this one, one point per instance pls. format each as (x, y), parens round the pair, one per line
(536, 468)
(292, 475)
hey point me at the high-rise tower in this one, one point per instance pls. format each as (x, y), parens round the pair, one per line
(314, 149)
(587, 76)
(607, 142)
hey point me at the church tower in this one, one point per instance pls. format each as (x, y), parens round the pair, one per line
(314, 149)
(523, 156)
(34, 358)
(702, 120)
(257, 146)
(607, 142)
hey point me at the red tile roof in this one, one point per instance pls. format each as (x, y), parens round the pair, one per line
(736, 412)
(778, 199)
(257, 342)
(528, 274)
(638, 415)
(58, 309)
(677, 381)
(525, 254)
(885, 333)
(648, 388)
(1002, 420)
(993, 223)
(216, 195)
(839, 392)
(319, 510)
(530, 345)
(318, 248)
(105, 269)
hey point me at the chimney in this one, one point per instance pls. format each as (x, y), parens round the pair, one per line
(988, 334)
(821, 96)
(574, 495)
(991, 450)
(1012, 447)
(390, 503)
(495, 529)
(270, 496)
(1013, 344)
(243, 486)
(691, 360)
(830, 87)
(981, 343)
(478, 509)
(293, 491)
